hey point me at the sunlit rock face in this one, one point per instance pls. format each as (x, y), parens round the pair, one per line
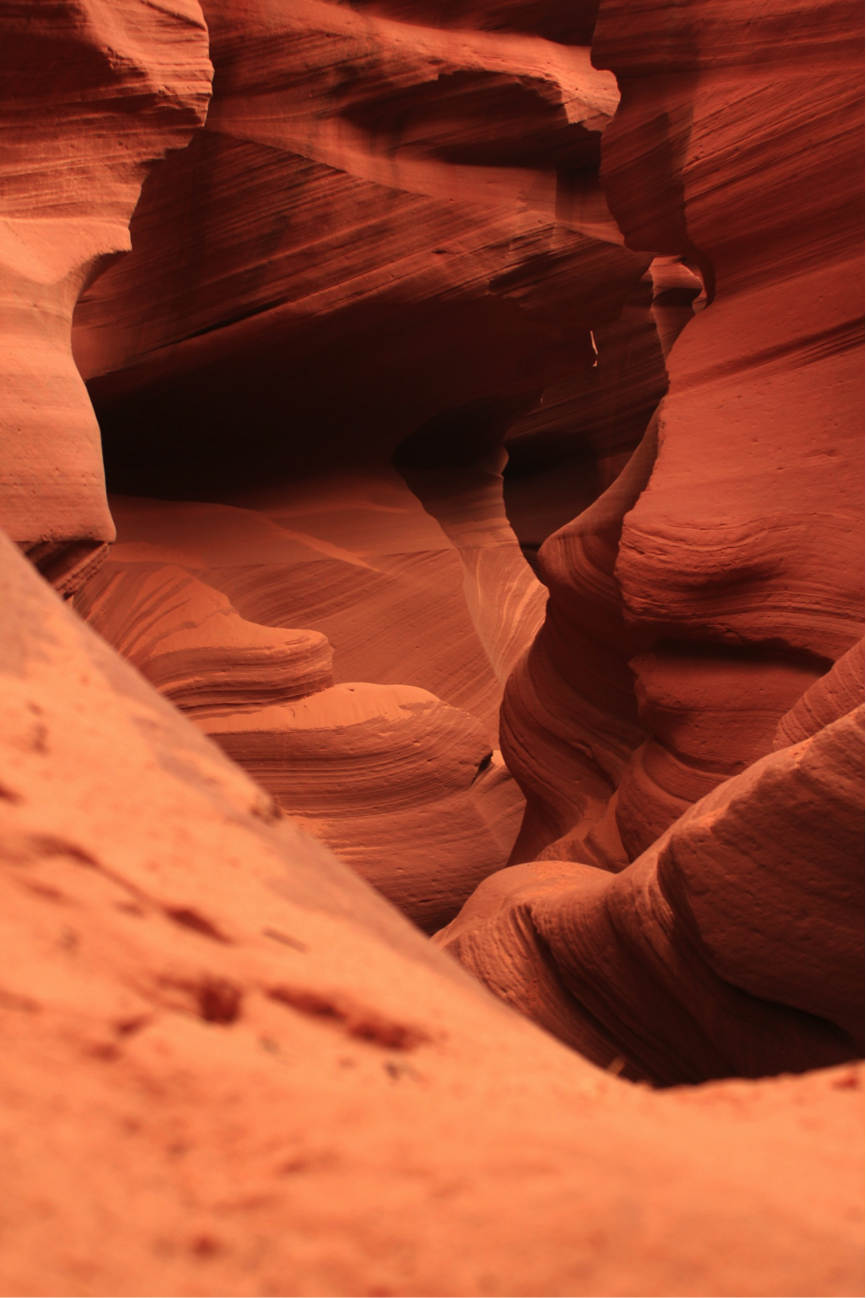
(451, 503)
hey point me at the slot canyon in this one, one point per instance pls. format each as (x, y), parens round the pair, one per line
(432, 660)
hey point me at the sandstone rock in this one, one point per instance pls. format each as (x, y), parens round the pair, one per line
(569, 715)
(741, 549)
(759, 371)
(229, 1067)
(197, 650)
(93, 92)
(567, 452)
(353, 557)
(469, 160)
(710, 712)
(327, 123)
(379, 342)
(401, 787)
(456, 154)
(404, 788)
(732, 946)
(831, 696)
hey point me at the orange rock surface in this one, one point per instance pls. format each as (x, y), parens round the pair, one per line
(441, 427)
(367, 199)
(229, 1067)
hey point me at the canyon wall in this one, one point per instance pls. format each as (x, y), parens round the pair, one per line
(699, 605)
(93, 93)
(387, 251)
(441, 426)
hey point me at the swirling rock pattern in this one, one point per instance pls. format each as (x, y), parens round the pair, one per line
(740, 551)
(745, 535)
(355, 199)
(92, 92)
(831, 696)
(197, 650)
(413, 210)
(732, 946)
(354, 558)
(407, 790)
(401, 787)
(213, 1033)
(405, 402)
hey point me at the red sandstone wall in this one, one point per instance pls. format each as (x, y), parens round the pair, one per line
(461, 352)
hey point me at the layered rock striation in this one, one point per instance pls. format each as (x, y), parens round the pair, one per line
(93, 93)
(735, 560)
(731, 947)
(386, 246)
(479, 412)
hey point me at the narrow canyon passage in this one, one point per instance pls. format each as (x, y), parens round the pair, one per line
(431, 794)
(316, 427)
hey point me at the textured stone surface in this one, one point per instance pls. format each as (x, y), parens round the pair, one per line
(229, 1067)
(367, 198)
(404, 788)
(831, 696)
(385, 245)
(195, 648)
(92, 92)
(401, 787)
(732, 946)
(453, 363)
(740, 550)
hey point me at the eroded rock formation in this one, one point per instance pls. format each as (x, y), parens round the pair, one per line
(737, 547)
(93, 92)
(230, 1067)
(402, 226)
(731, 947)
(480, 413)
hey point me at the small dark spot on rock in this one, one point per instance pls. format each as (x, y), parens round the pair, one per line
(276, 936)
(205, 1245)
(48, 845)
(292, 1166)
(129, 1027)
(69, 940)
(219, 1001)
(129, 908)
(104, 1050)
(267, 810)
(192, 919)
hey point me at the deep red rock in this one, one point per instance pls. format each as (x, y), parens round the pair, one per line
(743, 545)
